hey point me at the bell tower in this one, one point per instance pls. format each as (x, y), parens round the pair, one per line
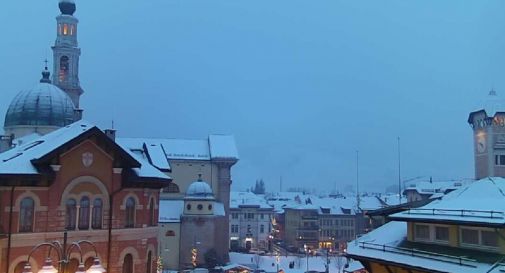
(66, 52)
(488, 126)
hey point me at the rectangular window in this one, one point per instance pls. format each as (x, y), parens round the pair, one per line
(442, 234)
(262, 216)
(489, 238)
(499, 160)
(262, 229)
(234, 215)
(470, 236)
(422, 232)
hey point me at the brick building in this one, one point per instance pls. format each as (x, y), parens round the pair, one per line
(79, 179)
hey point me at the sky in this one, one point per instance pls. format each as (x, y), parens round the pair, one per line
(302, 85)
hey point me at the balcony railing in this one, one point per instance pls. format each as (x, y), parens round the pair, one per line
(459, 260)
(459, 212)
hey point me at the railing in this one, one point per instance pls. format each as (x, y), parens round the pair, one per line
(459, 260)
(459, 212)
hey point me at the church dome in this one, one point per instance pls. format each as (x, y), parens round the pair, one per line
(199, 189)
(43, 105)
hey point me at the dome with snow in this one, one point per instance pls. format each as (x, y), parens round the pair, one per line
(199, 189)
(43, 105)
(67, 7)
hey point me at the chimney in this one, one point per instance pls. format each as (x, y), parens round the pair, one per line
(77, 114)
(111, 133)
(5, 143)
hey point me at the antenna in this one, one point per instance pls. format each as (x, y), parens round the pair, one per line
(280, 183)
(357, 178)
(399, 174)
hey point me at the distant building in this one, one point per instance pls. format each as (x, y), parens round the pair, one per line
(430, 190)
(461, 232)
(186, 160)
(250, 221)
(488, 126)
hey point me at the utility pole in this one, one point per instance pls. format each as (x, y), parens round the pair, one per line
(357, 179)
(399, 175)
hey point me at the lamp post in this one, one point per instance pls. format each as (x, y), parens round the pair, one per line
(63, 253)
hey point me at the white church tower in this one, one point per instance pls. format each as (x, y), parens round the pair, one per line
(66, 53)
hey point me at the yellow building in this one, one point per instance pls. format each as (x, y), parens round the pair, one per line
(462, 232)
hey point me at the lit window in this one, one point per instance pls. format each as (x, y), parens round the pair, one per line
(65, 29)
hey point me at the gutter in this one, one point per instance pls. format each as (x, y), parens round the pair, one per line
(9, 240)
(109, 241)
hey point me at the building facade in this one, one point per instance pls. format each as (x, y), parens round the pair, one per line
(185, 160)
(488, 125)
(77, 179)
(250, 222)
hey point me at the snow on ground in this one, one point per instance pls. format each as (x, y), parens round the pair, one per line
(268, 263)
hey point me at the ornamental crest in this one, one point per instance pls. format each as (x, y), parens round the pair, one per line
(87, 159)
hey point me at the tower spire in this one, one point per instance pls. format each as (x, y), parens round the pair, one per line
(66, 52)
(45, 74)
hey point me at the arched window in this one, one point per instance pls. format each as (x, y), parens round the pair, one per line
(172, 188)
(128, 264)
(97, 214)
(64, 67)
(149, 265)
(71, 213)
(26, 215)
(65, 29)
(19, 267)
(152, 220)
(84, 213)
(130, 213)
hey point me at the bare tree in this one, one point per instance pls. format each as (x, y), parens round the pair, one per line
(339, 262)
(256, 259)
(298, 261)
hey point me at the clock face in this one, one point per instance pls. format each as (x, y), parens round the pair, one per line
(481, 144)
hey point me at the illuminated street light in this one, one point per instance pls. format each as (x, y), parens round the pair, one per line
(63, 253)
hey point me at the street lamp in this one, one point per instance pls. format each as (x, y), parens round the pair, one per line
(63, 253)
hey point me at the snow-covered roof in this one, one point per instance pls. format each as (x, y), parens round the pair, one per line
(223, 147)
(170, 211)
(248, 199)
(385, 244)
(430, 188)
(479, 203)
(269, 263)
(19, 159)
(160, 151)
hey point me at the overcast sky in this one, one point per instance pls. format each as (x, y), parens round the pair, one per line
(301, 84)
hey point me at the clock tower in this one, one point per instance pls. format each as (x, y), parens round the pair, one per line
(488, 126)
(66, 52)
